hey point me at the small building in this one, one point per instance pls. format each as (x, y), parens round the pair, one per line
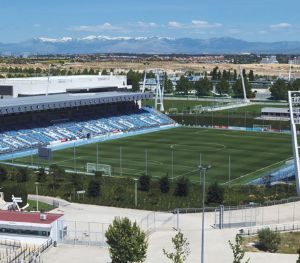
(35, 224)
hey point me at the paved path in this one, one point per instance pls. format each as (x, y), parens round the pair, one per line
(216, 241)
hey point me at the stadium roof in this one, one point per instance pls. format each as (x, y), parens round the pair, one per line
(60, 101)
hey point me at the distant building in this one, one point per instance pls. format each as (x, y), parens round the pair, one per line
(269, 60)
(295, 61)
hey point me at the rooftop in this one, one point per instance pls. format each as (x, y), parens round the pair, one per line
(27, 217)
(66, 100)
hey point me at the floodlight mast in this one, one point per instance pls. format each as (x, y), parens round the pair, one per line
(294, 107)
(159, 92)
(244, 87)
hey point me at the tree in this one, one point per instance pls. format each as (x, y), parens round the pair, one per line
(22, 175)
(237, 250)
(182, 186)
(223, 87)
(296, 85)
(3, 173)
(57, 173)
(104, 72)
(144, 183)
(181, 247)
(168, 86)
(279, 90)
(164, 184)
(127, 242)
(134, 78)
(183, 85)
(93, 188)
(237, 88)
(251, 75)
(268, 240)
(215, 194)
(203, 87)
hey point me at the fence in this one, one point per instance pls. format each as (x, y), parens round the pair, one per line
(157, 220)
(23, 253)
(82, 233)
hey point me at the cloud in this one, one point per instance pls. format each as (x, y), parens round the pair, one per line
(204, 24)
(280, 26)
(142, 24)
(175, 24)
(96, 28)
(195, 24)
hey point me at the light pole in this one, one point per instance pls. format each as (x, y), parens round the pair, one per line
(172, 168)
(203, 169)
(37, 195)
(135, 191)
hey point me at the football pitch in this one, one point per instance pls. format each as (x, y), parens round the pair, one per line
(251, 154)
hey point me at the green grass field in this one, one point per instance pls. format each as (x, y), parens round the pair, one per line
(251, 154)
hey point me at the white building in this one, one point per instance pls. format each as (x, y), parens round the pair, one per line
(16, 87)
(269, 60)
(35, 224)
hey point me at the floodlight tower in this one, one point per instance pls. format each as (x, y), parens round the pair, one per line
(159, 92)
(244, 87)
(294, 106)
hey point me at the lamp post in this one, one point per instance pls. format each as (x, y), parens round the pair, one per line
(37, 195)
(172, 167)
(203, 169)
(135, 191)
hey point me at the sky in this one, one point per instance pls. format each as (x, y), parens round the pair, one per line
(251, 20)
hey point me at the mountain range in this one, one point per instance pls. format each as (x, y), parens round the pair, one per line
(147, 45)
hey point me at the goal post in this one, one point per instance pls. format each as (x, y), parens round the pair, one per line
(93, 167)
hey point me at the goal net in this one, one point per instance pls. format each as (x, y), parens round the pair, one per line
(93, 167)
(259, 127)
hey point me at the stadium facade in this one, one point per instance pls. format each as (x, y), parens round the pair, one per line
(18, 87)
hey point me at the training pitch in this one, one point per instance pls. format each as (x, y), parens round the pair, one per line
(251, 154)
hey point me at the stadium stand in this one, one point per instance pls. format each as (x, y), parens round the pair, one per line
(40, 124)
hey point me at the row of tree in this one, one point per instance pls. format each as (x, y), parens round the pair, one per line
(279, 90)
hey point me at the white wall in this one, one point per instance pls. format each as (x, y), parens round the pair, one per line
(59, 84)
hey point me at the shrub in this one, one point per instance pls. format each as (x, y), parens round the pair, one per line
(127, 242)
(93, 188)
(268, 239)
(144, 183)
(182, 187)
(215, 194)
(164, 184)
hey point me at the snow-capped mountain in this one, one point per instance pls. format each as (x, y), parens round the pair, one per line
(150, 45)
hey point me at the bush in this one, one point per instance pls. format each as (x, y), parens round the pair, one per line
(182, 187)
(268, 239)
(144, 183)
(94, 188)
(127, 242)
(215, 194)
(164, 184)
